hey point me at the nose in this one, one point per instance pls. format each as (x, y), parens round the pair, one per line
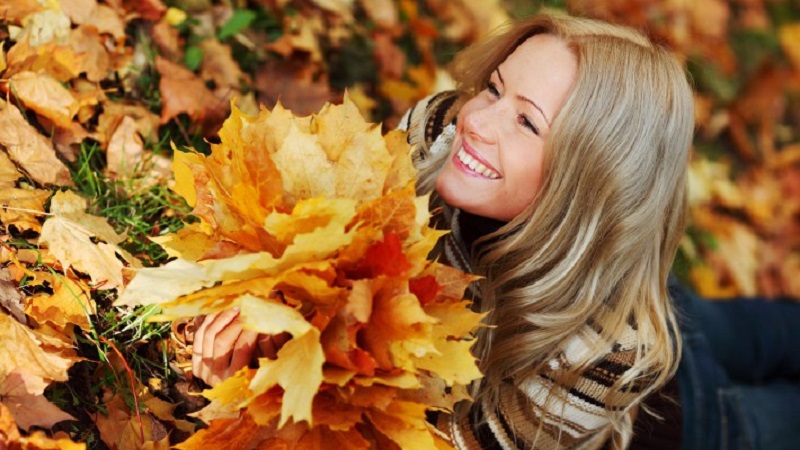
(480, 123)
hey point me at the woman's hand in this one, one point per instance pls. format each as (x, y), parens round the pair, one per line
(222, 346)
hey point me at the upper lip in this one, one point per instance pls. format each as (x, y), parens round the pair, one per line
(474, 153)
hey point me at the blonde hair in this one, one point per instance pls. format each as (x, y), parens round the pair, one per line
(597, 244)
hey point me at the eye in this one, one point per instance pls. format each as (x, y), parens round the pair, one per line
(525, 122)
(492, 88)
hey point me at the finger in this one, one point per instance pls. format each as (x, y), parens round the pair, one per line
(202, 324)
(266, 348)
(223, 349)
(209, 338)
(243, 351)
(280, 339)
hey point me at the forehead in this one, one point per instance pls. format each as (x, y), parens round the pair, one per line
(543, 69)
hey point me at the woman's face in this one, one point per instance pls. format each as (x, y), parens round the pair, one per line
(495, 165)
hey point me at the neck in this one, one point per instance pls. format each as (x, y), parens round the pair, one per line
(474, 227)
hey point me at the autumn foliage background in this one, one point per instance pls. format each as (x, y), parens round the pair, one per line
(95, 93)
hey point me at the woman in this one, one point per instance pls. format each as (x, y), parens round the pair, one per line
(560, 166)
(574, 141)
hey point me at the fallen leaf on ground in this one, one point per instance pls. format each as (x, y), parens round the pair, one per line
(120, 428)
(38, 440)
(32, 151)
(184, 92)
(10, 296)
(69, 233)
(23, 395)
(125, 150)
(45, 95)
(70, 303)
(22, 352)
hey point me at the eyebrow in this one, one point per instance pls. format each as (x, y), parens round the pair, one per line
(524, 99)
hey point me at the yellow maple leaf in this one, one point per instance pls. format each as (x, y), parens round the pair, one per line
(227, 397)
(298, 370)
(402, 169)
(68, 234)
(449, 362)
(271, 317)
(70, 303)
(455, 319)
(401, 423)
(398, 327)
(190, 243)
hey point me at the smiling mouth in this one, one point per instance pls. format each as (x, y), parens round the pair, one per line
(476, 166)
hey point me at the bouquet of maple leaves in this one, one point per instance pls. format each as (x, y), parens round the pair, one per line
(311, 226)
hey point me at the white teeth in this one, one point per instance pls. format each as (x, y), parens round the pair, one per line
(476, 165)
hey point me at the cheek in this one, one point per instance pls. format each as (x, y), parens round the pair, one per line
(528, 173)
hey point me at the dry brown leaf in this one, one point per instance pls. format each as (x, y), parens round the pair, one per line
(19, 207)
(23, 352)
(23, 395)
(45, 95)
(32, 151)
(736, 254)
(301, 37)
(120, 428)
(107, 21)
(16, 10)
(125, 150)
(291, 84)
(23, 208)
(710, 18)
(9, 175)
(390, 58)
(96, 61)
(184, 92)
(69, 233)
(147, 9)
(38, 440)
(219, 66)
(58, 60)
(9, 432)
(342, 8)
(10, 296)
(382, 12)
(49, 25)
(80, 11)
(113, 112)
(167, 39)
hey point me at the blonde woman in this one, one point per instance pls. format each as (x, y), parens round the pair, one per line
(560, 165)
(564, 179)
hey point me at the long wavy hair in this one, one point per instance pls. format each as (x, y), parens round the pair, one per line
(597, 244)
